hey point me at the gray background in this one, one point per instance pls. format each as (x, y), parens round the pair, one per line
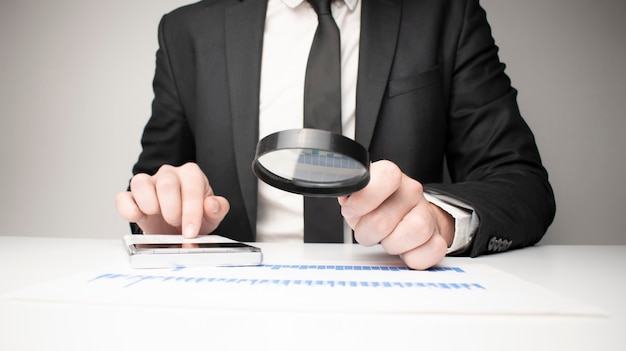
(75, 93)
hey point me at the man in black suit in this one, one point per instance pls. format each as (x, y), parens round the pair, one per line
(426, 88)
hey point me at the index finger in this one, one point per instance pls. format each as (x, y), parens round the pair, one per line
(193, 190)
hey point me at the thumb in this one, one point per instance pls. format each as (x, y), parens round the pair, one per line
(215, 209)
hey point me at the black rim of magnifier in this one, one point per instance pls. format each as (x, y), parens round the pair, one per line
(312, 139)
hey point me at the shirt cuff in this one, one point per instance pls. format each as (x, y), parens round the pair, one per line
(465, 220)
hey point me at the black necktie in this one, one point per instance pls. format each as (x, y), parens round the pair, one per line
(322, 110)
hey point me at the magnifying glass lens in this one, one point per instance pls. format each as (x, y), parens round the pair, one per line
(312, 166)
(312, 162)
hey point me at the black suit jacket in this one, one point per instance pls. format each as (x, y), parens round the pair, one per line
(430, 88)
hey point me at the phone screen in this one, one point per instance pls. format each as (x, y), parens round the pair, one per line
(153, 251)
(191, 248)
(191, 245)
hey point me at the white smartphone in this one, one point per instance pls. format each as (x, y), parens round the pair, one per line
(162, 251)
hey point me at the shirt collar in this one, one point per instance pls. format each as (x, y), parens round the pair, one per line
(295, 3)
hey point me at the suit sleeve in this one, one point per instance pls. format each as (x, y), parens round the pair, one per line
(492, 156)
(167, 138)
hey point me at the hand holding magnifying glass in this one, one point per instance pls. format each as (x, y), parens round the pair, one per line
(318, 163)
(312, 162)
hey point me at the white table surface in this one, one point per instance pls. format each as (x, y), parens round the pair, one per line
(590, 274)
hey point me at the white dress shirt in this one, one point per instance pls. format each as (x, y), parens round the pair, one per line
(289, 29)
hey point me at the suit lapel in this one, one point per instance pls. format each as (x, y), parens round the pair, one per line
(380, 21)
(244, 37)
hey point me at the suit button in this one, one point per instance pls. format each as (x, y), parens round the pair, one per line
(492, 244)
(506, 244)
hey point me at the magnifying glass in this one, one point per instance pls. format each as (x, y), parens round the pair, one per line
(312, 162)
